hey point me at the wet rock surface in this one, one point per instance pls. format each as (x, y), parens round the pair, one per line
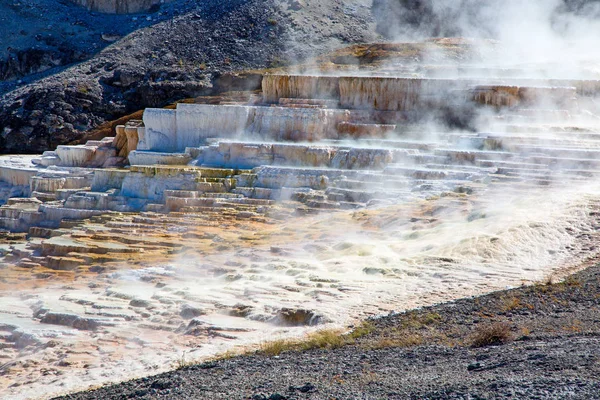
(552, 354)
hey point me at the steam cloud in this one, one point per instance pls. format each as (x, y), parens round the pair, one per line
(537, 30)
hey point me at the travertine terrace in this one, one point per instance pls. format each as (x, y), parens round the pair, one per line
(322, 199)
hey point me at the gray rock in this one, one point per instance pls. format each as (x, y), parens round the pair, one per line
(140, 303)
(188, 311)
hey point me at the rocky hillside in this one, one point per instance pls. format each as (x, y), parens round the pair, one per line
(119, 6)
(37, 36)
(178, 51)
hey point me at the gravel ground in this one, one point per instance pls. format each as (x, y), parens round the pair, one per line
(547, 348)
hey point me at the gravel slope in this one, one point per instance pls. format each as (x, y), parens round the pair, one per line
(551, 351)
(38, 37)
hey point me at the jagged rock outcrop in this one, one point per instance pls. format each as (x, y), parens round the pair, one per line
(20, 63)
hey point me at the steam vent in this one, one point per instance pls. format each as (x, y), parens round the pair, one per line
(335, 193)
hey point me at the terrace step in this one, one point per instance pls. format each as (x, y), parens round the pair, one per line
(199, 194)
(177, 203)
(361, 196)
(291, 105)
(137, 157)
(431, 174)
(53, 213)
(45, 197)
(51, 184)
(258, 192)
(358, 184)
(363, 130)
(316, 102)
(508, 164)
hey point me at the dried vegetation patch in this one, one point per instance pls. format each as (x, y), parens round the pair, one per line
(322, 339)
(491, 335)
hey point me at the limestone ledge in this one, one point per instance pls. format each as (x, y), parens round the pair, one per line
(403, 94)
(191, 124)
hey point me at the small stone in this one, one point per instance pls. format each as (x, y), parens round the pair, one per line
(473, 367)
(97, 269)
(297, 317)
(306, 388)
(85, 324)
(277, 396)
(161, 384)
(139, 303)
(188, 311)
